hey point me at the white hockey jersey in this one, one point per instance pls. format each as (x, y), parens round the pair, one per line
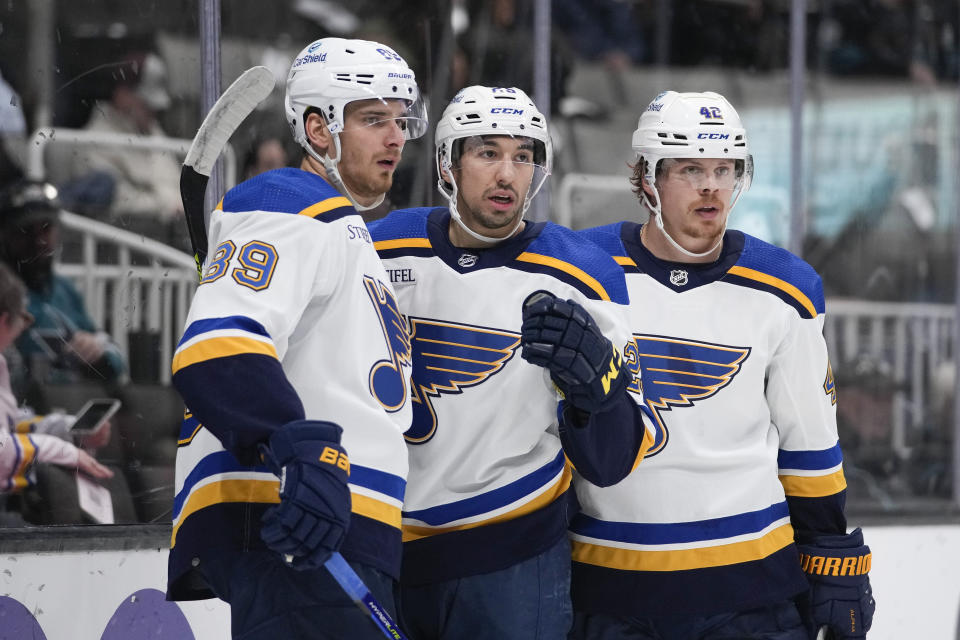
(488, 477)
(732, 363)
(294, 318)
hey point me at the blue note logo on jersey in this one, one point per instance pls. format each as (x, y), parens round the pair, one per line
(388, 381)
(447, 358)
(673, 372)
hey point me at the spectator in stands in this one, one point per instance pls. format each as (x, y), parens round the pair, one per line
(265, 153)
(499, 48)
(64, 344)
(21, 443)
(145, 183)
(882, 38)
(601, 30)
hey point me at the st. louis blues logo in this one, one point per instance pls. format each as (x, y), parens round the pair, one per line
(388, 378)
(672, 372)
(447, 358)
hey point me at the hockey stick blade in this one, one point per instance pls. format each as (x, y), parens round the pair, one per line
(824, 633)
(231, 108)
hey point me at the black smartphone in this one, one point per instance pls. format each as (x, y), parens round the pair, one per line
(94, 413)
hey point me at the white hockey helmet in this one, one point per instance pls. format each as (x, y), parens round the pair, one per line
(691, 125)
(330, 73)
(490, 111)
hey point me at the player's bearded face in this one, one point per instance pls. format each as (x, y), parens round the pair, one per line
(493, 178)
(370, 146)
(695, 197)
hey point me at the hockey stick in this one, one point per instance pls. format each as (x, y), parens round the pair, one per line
(353, 586)
(231, 108)
(824, 633)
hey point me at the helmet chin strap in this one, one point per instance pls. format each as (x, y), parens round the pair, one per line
(455, 214)
(333, 175)
(676, 245)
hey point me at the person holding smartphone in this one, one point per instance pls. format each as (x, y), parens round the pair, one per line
(20, 449)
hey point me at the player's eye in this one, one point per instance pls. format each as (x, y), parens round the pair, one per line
(722, 172)
(525, 158)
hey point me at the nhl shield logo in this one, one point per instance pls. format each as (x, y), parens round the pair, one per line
(467, 260)
(678, 277)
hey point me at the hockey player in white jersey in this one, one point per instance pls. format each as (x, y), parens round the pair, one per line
(488, 497)
(294, 357)
(738, 508)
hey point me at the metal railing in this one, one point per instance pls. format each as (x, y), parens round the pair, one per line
(36, 163)
(914, 345)
(144, 286)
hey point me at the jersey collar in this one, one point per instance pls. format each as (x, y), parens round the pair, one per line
(472, 259)
(681, 276)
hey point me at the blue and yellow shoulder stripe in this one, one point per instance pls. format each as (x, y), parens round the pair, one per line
(564, 254)
(402, 233)
(289, 190)
(769, 268)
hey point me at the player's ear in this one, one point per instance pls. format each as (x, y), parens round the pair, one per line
(647, 189)
(317, 132)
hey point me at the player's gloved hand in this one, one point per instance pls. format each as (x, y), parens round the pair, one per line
(840, 596)
(562, 336)
(311, 520)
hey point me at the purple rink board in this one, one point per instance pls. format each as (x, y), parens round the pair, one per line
(147, 614)
(17, 623)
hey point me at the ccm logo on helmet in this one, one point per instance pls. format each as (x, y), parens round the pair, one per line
(507, 111)
(712, 136)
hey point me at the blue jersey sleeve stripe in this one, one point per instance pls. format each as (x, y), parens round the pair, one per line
(680, 532)
(379, 481)
(206, 325)
(442, 514)
(810, 460)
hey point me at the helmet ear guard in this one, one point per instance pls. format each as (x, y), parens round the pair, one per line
(479, 111)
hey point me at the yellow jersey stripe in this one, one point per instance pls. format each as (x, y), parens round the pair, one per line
(219, 206)
(576, 272)
(625, 261)
(814, 486)
(26, 426)
(29, 453)
(402, 243)
(644, 447)
(414, 532)
(220, 348)
(268, 492)
(683, 559)
(375, 509)
(323, 206)
(237, 490)
(190, 438)
(773, 281)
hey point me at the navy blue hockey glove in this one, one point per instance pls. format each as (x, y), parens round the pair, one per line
(311, 520)
(840, 596)
(562, 336)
